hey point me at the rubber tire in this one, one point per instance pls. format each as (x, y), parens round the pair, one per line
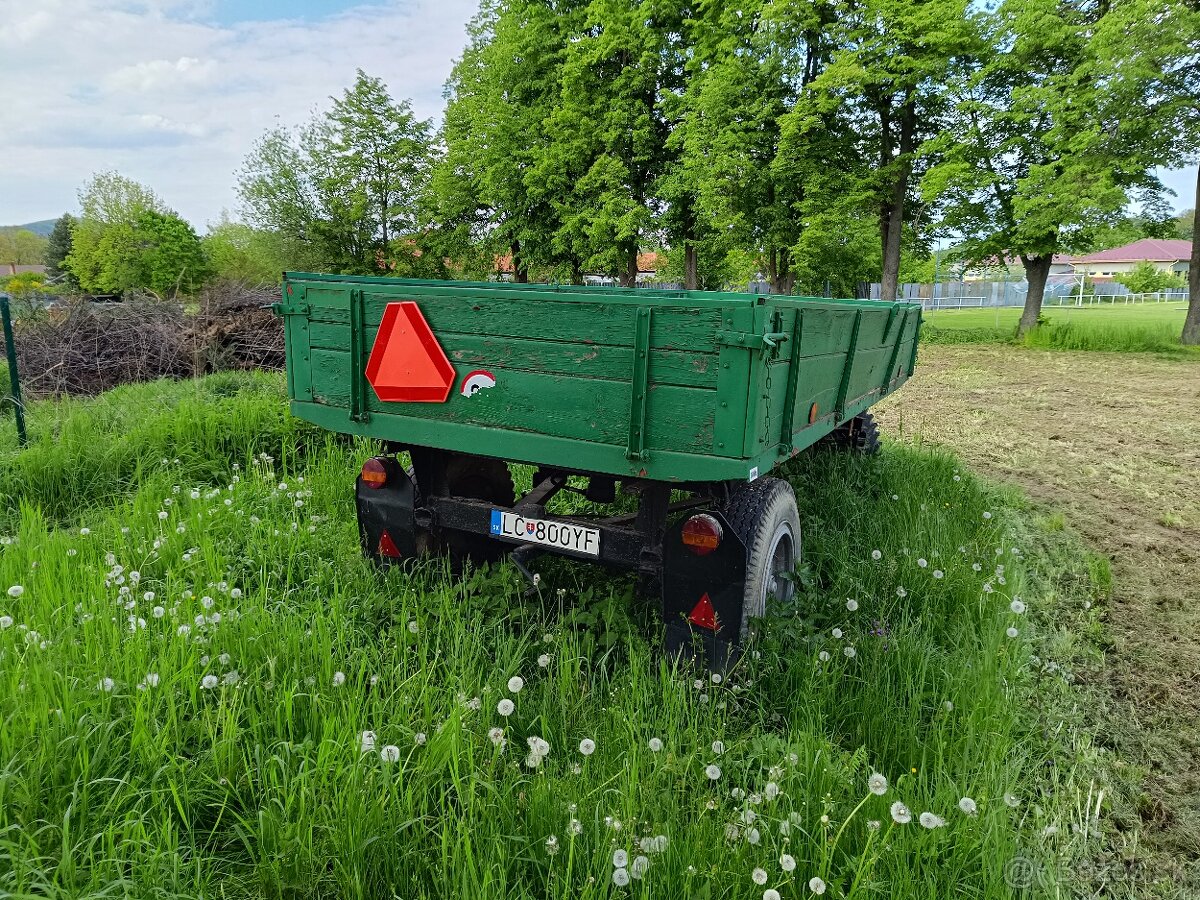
(477, 478)
(859, 435)
(760, 512)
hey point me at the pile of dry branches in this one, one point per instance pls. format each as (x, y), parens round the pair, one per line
(84, 348)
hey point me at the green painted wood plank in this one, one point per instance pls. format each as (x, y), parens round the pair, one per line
(678, 418)
(688, 368)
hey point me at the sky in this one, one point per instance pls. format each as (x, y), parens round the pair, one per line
(173, 93)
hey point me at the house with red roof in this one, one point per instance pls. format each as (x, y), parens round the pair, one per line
(1167, 255)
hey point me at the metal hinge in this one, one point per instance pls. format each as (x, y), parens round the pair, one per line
(750, 341)
(302, 309)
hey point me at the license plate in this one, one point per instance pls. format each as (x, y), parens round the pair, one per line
(563, 535)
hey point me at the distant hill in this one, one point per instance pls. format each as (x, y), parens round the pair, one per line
(44, 227)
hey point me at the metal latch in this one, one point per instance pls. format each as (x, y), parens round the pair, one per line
(768, 341)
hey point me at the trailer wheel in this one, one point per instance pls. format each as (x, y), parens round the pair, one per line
(477, 478)
(859, 435)
(763, 513)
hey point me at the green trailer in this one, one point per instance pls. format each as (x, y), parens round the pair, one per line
(684, 400)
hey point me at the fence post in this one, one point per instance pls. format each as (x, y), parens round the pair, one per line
(14, 380)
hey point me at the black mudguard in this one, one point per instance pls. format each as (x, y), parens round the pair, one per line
(687, 579)
(387, 514)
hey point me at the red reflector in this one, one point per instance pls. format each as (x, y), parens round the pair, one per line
(701, 534)
(703, 615)
(387, 547)
(374, 473)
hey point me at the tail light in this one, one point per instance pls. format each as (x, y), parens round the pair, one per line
(375, 472)
(702, 534)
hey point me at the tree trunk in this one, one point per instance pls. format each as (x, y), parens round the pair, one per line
(779, 271)
(892, 224)
(1037, 270)
(691, 275)
(519, 266)
(628, 278)
(1191, 325)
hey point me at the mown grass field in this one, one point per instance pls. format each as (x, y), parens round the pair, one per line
(1140, 327)
(205, 691)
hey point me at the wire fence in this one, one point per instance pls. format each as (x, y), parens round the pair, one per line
(1060, 291)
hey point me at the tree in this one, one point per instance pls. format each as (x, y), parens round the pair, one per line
(21, 246)
(605, 142)
(128, 239)
(342, 191)
(1149, 52)
(58, 248)
(885, 84)
(1039, 159)
(486, 201)
(240, 252)
(750, 62)
(1146, 278)
(1184, 225)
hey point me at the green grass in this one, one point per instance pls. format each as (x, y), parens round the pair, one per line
(246, 571)
(1149, 327)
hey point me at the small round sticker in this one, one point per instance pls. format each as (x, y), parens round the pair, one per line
(476, 381)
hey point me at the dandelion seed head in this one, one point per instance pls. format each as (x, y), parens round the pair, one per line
(390, 753)
(852, 605)
(420, 738)
(900, 813)
(1011, 632)
(655, 745)
(837, 633)
(877, 784)
(641, 864)
(544, 660)
(849, 652)
(816, 885)
(1011, 801)
(208, 682)
(587, 746)
(620, 877)
(930, 820)
(967, 805)
(505, 707)
(718, 747)
(16, 591)
(759, 876)
(366, 742)
(876, 555)
(515, 684)
(620, 859)
(339, 678)
(1017, 606)
(787, 862)
(713, 772)
(496, 736)
(770, 894)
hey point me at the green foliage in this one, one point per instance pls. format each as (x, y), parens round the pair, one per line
(1146, 277)
(240, 252)
(342, 192)
(58, 247)
(21, 246)
(1046, 156)
(128, 239)
(25, 285)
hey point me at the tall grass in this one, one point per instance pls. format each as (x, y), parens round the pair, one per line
(1096, 334)
(189, 666)
(1127, 337)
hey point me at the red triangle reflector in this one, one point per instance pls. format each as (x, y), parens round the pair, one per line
(703, 615)
(387, 547)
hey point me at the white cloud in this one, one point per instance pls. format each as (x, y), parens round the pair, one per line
(159, 92)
